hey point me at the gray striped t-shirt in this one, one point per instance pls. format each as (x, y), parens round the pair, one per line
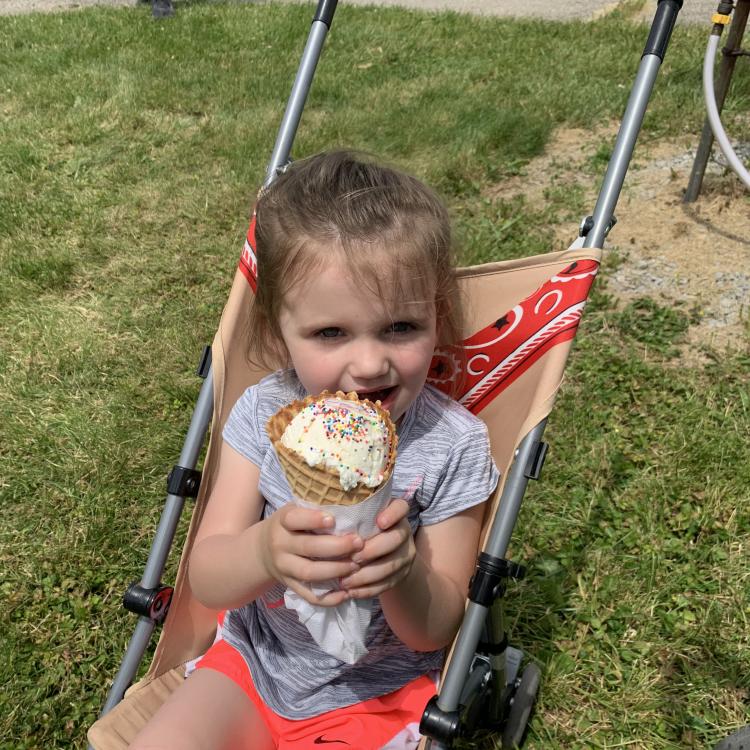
(443, 467)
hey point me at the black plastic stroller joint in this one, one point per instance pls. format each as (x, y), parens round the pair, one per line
(536, 461)
(488, 648)
(488, 581)
(152, 603)
(183, 482)
(587, 225)
(443, 726)
(204, 366)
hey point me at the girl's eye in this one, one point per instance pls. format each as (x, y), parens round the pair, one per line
(328, 333)
(401, 327)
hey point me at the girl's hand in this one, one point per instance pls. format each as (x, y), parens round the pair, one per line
(295, 556)
(386, 558)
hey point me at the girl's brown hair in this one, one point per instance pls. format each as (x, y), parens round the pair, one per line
(343, 203)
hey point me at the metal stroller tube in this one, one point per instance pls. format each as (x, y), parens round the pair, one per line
(163, 539)
(661, 30)
(203, 411)
(302, 83)
(712, 111)
(623, 151)
(497, 545)
(445, 720)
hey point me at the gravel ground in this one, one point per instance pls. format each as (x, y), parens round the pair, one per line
(693, 256)
(694, 11)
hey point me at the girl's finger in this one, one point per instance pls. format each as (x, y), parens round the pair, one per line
(370, 592)
(330, 599)
(315, 571)
(380, 545)
(327, 546)
(387, 573)
(305, 519)
(396, 510)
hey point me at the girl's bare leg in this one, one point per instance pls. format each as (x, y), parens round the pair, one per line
(207, 712)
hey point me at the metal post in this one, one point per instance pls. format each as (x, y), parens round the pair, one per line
(726, 71)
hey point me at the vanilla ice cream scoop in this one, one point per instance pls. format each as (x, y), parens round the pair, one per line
(334, 448)
(348, 438)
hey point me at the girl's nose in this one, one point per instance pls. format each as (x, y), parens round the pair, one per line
(369, 361)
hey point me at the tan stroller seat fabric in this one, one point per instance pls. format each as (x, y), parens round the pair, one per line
(522, 316)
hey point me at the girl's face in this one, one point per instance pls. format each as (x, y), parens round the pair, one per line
(341, 336)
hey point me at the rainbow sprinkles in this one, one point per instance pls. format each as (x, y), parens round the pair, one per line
(344, 436)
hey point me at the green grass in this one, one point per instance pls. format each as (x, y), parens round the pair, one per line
(129, 154)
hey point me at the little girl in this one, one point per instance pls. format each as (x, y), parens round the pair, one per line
(356, 289)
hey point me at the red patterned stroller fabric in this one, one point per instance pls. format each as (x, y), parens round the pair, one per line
(248, 259)
(485, 364)
(476, 371)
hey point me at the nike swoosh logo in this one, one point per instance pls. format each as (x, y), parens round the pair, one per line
(321, 741)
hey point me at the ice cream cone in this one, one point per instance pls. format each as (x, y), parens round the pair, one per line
(317, 484)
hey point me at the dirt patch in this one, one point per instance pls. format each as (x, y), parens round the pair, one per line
(696, 256)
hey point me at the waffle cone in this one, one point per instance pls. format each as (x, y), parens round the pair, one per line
(317, 484)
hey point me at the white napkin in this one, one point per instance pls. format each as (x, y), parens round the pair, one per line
(340, 630)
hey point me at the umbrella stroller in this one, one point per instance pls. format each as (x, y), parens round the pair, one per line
(521, 323)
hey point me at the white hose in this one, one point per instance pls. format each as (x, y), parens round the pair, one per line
(713, 111)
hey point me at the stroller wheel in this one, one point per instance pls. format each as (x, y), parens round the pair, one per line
(475, 697)
(522, 705)
(739, 740)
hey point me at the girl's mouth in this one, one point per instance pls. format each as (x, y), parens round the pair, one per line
(381, 395)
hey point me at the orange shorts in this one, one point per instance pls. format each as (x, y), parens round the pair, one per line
(390, 722)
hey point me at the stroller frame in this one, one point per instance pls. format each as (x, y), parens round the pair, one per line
(482, 674)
